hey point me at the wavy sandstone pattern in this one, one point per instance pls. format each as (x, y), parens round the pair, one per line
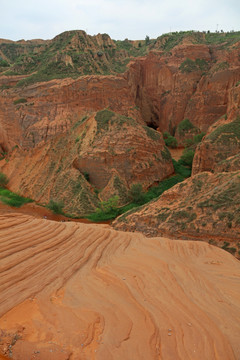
(77, 291)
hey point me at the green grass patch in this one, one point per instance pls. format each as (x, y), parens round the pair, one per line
(169, 41)
(169, 140)
(189, 65)
(227, 38)
(184, 171)
(102, 118)
(107, 210)
(187, 157)
(20, 101)
(3, 63)
(10, 198)
(163, 185)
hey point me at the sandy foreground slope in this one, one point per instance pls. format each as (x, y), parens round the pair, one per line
(78, 291)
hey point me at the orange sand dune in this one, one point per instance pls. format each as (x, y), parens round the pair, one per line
(78, 291)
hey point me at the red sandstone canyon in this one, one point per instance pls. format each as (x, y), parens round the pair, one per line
(120, 197)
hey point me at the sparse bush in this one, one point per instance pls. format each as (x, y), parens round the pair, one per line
(231, 250)
(102, 118)
(136, 194)
(56, 207)
(147, 40)
(86, 175)
(109, 205)
(181, 169)
(107, 210)
(185, 125)
(221, 66)
(3, 180)
(188, 65)
(188, 143)
(3, 63)
(20, 101)
(198, 138)
(187, 157)
(169, 140)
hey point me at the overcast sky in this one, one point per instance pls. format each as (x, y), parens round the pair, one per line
(132, 19)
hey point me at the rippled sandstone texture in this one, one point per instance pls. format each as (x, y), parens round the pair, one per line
(76, 291)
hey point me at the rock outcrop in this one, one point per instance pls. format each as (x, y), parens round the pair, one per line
(39, 112)
(197, 81)
(185, 75)
(204, 207)
(105, 148)
(175, 77)
(221, 142)
(194, 82)
(231, 164)
(161, 89)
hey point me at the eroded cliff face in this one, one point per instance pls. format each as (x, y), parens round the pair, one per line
(193, 81)
(218, 147)
(197, 81)
(111, 151)
(204, 207)
(37, 113)
(161, 90)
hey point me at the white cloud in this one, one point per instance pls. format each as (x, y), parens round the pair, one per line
(131, 19)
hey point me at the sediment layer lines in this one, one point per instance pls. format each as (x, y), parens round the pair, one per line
(78, 291)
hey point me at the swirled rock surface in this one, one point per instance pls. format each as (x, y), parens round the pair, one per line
(77, 291)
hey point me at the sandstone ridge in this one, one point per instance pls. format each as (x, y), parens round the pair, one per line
(91, 292)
